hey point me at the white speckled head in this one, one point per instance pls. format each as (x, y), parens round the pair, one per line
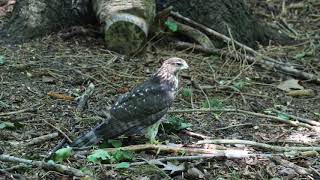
(174, 65)
(178, 63)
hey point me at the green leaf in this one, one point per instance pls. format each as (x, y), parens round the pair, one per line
(7, 125)
(283, 116)
(240, 84)
(62, 154)
(123, 165)
(317, 114)
(171, 25)
(51, 162)
(300, 56)
(186, 92)
(120, 155)
(175, 124)
(99, 155)
(2, 60)
(86, 170)
(152, 131)
(115, 143)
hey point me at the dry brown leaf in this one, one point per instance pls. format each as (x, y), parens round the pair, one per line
(289, 85)
(60, 96)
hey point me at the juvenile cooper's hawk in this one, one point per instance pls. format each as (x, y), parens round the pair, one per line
(142, 107)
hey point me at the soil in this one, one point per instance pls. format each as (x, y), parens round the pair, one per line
(30, 71)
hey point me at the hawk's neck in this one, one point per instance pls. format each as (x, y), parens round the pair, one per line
(170, 80)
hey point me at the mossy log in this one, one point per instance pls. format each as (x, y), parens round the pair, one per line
(125, 23)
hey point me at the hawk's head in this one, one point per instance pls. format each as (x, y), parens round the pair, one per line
(168, 72)
(174, 65)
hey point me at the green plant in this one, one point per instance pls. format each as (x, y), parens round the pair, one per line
(7, 125)
(186, 92)
(98, 156)
(239, 84)
(171, 25)
(175, 124)
(102, 156)
(62, 154)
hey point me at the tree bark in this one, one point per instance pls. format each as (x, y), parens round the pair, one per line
(34, 18)
(31, 18)
(223, 14)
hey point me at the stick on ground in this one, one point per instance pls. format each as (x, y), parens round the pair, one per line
(45, 165)
(83, 99)
(259, 145)
(292, 123)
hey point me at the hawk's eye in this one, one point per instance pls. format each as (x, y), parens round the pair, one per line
(179, 63)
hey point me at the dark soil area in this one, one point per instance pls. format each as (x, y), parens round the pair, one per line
(31, 71)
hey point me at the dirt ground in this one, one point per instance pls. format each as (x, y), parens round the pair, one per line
(30, 71)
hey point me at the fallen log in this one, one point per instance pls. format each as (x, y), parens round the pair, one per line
(125, 23)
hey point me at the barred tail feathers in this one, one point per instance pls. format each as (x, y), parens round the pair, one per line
(87, 139)
(109, 129)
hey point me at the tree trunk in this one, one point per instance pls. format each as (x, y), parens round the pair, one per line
(34, 18)
(223, 14)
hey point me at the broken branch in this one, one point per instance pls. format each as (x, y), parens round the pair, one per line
(45, 165)
(83, 99)
(259, 145)
(293, 123)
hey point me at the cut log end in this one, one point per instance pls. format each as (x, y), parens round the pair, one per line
(125, 33)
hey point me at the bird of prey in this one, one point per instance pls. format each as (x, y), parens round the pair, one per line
(140, 108)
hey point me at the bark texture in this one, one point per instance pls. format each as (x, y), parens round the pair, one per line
(223, 14)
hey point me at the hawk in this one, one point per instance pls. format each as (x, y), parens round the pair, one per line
(140, 108)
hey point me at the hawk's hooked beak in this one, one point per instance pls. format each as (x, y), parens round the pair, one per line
(185, 66)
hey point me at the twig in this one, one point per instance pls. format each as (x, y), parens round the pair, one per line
(31, 109)
(267, 60)
(293, 123)
(177, 149)
(194, 34)
(83, 99)
(59, 130)
(260, 145)
(40, 139)
(309, 121)
(232, 126)
(189, 158)
(56, 148)
(45, 165)
(196, 135)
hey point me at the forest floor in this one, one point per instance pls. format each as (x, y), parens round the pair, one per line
(33, 73)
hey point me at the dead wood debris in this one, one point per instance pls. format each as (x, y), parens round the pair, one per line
(304, 123)
(33, 109)
(83, 99)
(259, 145)
(176, 149)
(45, 165)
